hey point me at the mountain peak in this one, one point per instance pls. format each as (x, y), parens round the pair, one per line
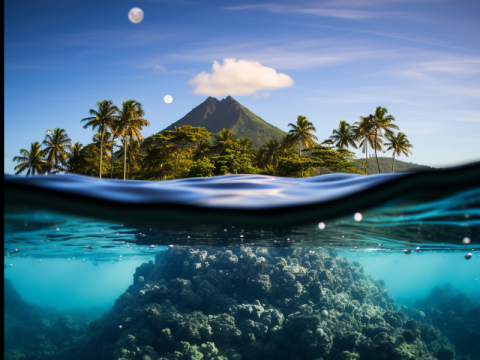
(228, 113)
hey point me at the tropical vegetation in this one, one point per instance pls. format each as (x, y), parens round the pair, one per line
(119, 151)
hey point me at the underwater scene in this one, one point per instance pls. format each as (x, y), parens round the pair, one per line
(243, 267)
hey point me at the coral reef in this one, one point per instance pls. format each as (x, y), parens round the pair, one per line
(247, 303)
(31, 332)
(455, 315)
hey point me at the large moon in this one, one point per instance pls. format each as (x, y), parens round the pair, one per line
(168, 99)
(135, 15)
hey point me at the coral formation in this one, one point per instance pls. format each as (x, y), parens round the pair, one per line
(248, 303)
(455, 315)
(245, 303)
(31, 332)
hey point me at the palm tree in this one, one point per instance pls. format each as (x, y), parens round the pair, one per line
(399, 144)
(273, 151)
(381, 124)
(75, 149)
(134, 156)
(365, 136)
(258, 157)
(202, 150)
(129, 122)
(56, 142)
(74, 156)
(156, 161)
(287, 142)
(223, 140)
(223, 135)
(245, 145)
(301, 133)
(101, 119)
(344, 136)
(105, 144)
(31, 160)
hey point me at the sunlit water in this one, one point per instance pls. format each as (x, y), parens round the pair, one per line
(70, 269)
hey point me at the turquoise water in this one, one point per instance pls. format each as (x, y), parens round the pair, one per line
(398, 282)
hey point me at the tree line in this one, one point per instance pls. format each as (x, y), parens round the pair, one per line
(118, 149)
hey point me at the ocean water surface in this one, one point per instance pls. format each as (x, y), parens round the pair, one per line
(243, 267)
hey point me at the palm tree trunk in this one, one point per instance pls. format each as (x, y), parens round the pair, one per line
(125, 159)
(101, 151)
(378, 164)
(366, 155)
(111, 158)
(300, 148)
(393, 165)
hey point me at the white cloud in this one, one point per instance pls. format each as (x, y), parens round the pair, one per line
(337, 13)
(238, 77)
(159, 68)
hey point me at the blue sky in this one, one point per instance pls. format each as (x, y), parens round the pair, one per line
(339, 59)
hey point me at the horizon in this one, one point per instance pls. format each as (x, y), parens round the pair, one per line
(329, 61)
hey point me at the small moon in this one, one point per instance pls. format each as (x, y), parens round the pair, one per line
(135, 15)
(168, 99)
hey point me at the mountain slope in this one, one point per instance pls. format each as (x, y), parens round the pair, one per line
(214, 115)
(386, 165)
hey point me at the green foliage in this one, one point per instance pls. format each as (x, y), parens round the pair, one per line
(157, 162)
(334, 160)
(344, 136)
(386, 165)
(268, 170)
(55, 152)
(31, 161)
(186, 151)
(233, 163)
(374, 127)
(201, 168)
(296, 167)
(103, 120)
(86, 161)
(74, 157)
(185, 135)
(399, 144)
(301, 133)
(273, 151)
(128, 124)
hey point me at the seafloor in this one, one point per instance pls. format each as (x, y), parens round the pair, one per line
(249, 303)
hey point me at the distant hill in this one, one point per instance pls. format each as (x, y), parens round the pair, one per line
(386, 165)
(214, 115)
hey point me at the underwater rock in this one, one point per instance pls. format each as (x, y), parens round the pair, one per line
(258, 303)
(32, 332)
(447, 312)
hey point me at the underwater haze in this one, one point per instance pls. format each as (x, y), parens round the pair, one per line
(325, 268)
